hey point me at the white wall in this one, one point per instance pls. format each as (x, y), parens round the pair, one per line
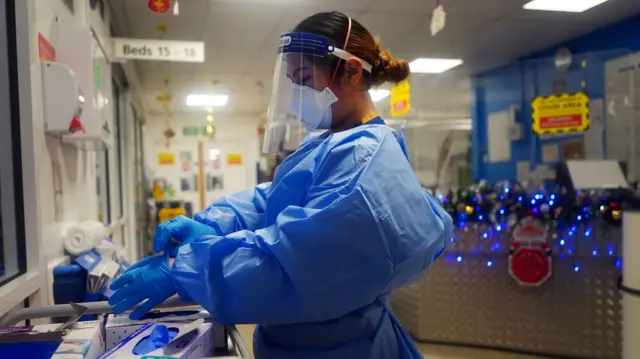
(47, 160)
(77, 198)
(237, 132)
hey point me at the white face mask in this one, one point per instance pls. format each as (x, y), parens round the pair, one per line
(312, 107)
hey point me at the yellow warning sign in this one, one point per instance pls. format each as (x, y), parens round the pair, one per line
(560, 113)
(400, 99)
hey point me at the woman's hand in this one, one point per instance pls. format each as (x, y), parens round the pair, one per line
(178, 231)
(149, 279)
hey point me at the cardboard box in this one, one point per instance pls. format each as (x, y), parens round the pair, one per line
(82, 340)
(190, 343)
(120, 326)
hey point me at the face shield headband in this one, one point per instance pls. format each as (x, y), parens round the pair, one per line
(297, 107)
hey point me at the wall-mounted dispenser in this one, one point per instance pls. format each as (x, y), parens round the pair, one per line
(63, 100)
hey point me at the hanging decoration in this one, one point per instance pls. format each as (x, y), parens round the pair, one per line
(438, 19)
(159, 7)
(176, 8)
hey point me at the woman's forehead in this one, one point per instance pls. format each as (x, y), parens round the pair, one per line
(297, 60)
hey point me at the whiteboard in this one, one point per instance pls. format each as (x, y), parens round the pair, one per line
(498, 127)
(596, 174)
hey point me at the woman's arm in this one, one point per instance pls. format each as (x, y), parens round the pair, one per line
(231, 213)
(366, 229)
(235, 212)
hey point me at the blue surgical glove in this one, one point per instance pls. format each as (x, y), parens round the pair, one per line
(178, 231)
(148, 279)
(159, 338)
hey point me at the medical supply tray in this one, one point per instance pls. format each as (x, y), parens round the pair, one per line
(227, 338)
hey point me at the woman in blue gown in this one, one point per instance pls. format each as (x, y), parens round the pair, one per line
(313, 256)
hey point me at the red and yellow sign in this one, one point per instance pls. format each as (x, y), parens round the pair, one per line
(560, 113)
(159, 6)
(400, 99)
(234, 159)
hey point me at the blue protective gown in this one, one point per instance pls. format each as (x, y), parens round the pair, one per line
(313, 256)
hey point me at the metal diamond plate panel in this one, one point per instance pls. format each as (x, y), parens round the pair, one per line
(468, 297)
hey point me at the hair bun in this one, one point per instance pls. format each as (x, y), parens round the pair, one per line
(389, 70)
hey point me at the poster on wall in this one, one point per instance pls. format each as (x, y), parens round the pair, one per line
(186, 160)
(234, 159)
(186, 184)
(217, 183)
(562, 113)
(214, 158)
(166, 159)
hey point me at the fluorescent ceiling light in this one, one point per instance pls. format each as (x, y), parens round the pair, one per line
(378, 94)
(207, 100)
(433, 66)
(563, 5)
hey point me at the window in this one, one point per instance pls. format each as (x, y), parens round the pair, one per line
(12, 239)
(102, 93)
(142, 191)
(118, 142)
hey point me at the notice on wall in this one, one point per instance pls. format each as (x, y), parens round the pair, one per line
(560, 113)
(166, 159)
(234, 159)
(46, 51)
(158, 50)
(400, 99)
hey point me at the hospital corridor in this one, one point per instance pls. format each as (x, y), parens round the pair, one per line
(319, 179)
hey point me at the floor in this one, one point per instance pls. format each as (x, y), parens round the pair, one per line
(429, 351)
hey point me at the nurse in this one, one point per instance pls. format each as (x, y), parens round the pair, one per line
(313, 256)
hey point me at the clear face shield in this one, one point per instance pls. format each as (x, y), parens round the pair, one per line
(301, 98)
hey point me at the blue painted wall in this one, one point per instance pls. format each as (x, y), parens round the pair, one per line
(520, 81)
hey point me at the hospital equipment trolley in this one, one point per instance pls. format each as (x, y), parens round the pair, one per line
(227, 340)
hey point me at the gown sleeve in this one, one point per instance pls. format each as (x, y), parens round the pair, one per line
(237, 211)
(366, 229)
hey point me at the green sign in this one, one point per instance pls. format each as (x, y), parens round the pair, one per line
(190, 131)
(97, 75)
(154, 357)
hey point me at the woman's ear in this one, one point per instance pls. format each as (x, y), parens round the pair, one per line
(353, 70)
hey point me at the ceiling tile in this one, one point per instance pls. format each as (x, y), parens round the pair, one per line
(387, 27)
(324, 5)
(403, 6)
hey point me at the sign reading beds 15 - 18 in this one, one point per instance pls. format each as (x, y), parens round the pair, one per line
(158, 50)
(560, 113)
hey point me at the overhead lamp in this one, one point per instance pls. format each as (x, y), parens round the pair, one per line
(425, 65)
(210, 118)
(207, 100)
(562, 5)
(378, 94)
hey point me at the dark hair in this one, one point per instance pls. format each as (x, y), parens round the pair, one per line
(334, 26)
